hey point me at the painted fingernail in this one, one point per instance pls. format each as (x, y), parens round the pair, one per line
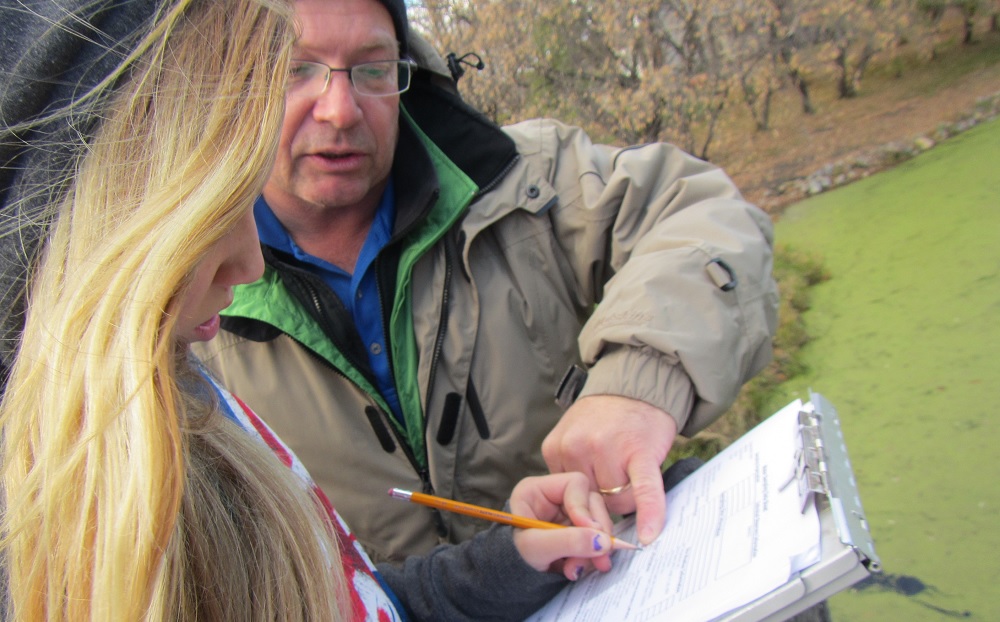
(597, 543)
(579, 571)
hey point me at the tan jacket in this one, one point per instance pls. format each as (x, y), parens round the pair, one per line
(495, 301)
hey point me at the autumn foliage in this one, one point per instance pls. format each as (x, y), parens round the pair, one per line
(635, 71)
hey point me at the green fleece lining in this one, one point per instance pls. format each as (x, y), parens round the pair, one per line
(456, 191)
(283, 312)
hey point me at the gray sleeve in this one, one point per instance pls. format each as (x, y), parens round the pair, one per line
(484, 578)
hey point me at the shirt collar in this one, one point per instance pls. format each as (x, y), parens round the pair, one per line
(272, 233)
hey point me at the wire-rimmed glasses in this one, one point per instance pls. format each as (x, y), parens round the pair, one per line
(308, 79)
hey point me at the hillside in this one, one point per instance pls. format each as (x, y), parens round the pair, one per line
(898, 103)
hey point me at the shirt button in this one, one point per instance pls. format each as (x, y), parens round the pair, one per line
(375, 348)
(360, 295)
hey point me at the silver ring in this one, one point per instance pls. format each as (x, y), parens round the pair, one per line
(616, 490)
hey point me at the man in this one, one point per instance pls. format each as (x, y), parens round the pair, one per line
(431, 278)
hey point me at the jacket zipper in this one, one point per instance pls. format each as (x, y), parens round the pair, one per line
(496, 180)
(421, 471)
(381, 416)
(442, 325)
(317, 304)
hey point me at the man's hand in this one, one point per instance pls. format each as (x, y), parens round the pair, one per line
(619, 443)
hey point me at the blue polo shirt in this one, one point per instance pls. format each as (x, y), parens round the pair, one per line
(358, 291)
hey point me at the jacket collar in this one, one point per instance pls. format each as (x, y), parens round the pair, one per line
(417, 184)
(477, 146)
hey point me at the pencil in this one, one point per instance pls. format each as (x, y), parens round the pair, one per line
(496, 516)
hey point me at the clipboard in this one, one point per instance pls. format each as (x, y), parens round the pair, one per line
(824, 478)
(785, 488)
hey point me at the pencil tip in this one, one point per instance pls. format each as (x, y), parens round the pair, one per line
(628, 546)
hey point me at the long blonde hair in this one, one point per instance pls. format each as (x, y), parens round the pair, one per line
(126, 494)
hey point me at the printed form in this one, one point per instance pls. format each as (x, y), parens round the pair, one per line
(735, 531)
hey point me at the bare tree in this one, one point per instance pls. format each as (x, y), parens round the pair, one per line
(633, 71)
(856, 30)
(795, 30)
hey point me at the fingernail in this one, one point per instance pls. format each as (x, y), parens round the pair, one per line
(597, 543)
(579, 571)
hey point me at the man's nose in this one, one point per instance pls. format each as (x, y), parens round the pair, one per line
(338, 104)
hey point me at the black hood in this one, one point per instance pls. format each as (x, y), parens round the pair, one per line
(51, 51)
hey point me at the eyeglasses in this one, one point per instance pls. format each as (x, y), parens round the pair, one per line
(307, 79)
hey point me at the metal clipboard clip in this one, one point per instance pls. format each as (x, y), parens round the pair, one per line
(810, 472)
(823, 468)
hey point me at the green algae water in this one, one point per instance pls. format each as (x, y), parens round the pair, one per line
(905, 345)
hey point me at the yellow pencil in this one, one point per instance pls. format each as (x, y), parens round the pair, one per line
(496, 516)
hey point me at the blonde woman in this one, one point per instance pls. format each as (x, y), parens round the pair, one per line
(135, 135)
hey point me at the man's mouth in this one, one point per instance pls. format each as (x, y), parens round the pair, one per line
(337, 159)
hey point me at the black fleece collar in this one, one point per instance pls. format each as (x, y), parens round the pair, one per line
(478, 147)
(474, 143)
(50, 52)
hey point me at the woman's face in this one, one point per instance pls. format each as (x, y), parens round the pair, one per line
(233, 260)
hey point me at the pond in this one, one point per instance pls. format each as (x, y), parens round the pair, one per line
(905, 345)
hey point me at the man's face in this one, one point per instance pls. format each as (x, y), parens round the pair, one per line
(336, 150)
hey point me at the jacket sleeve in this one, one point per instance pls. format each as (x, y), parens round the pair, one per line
(481, 579)
(677, 262)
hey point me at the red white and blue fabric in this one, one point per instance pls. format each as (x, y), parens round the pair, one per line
(371, 598)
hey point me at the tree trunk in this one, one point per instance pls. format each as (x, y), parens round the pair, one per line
(710, 134)
(846, 87)
(764, 123)
(968, 25)
(802, 86)
(759, 104)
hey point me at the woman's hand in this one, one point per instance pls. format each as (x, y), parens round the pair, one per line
(567, 499)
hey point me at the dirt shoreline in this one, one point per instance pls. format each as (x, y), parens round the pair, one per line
(888, 123)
